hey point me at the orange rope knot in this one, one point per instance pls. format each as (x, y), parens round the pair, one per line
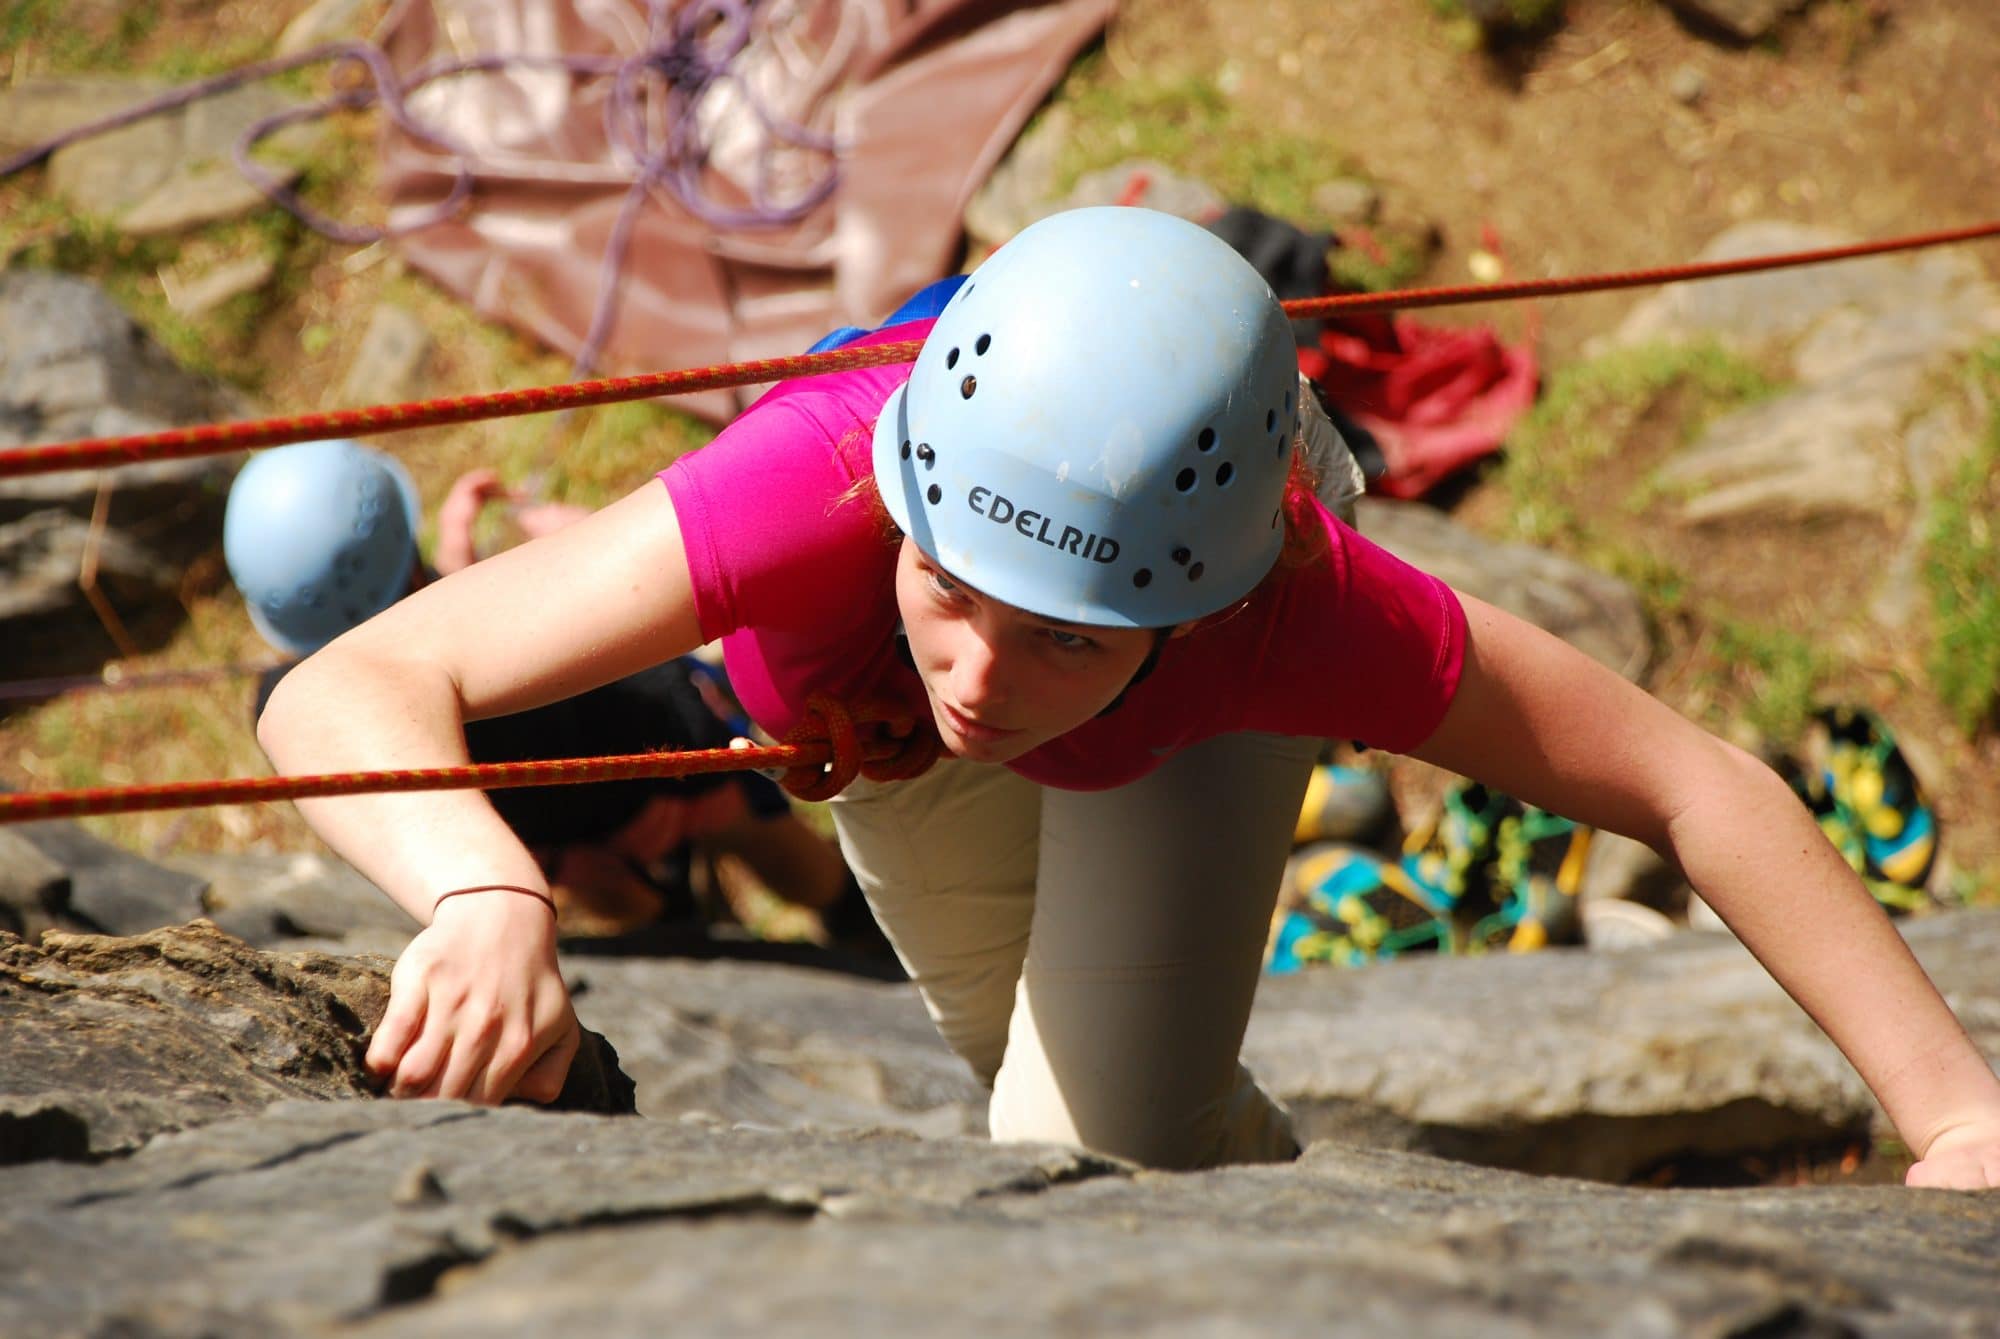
(916, 747)
(826, 721)
(908, 748)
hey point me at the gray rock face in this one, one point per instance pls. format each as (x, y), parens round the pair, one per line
(1598, 614)
(436, 1219)
(110, 1041)
(73, 365)
(777, 1047)
(161, 175)
(800, 1168)
(1783, 305)
(276, 901)
(34, 889)
(110, 890)
(1570, 1063)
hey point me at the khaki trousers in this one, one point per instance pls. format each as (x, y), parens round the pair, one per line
(1093, 955)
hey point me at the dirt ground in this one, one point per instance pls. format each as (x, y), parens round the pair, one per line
(1878, 119)
(1572, 151)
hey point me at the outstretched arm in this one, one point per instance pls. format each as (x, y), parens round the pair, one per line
(1538, 719)
(476, 1007)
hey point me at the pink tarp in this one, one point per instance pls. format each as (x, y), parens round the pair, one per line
(921, 98)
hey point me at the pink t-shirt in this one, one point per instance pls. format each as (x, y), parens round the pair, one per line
(796, 576)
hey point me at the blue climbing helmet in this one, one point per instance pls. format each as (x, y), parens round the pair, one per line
(319, 537)
(1099, 427)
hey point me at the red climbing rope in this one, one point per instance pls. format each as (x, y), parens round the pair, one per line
(819, 759)
(215, 439)
(1308, 308)
(209, 439)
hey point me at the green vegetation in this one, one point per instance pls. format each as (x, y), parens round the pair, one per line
(1596, 432)
(1194, 127)
(1589, 412)
(1961, 571)
(50, 33)
(1774, 675)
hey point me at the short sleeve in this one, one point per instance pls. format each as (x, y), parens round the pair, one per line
(1365, 647)
(768, 509)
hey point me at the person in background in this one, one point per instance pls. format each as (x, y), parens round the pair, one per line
(321, 536)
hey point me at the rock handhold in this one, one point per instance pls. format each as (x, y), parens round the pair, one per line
(113, 1040)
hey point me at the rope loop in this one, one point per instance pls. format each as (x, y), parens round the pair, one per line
(826, 720)
(917, 747)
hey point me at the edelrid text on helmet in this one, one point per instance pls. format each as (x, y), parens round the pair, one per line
(319, 537)
(1099, 427)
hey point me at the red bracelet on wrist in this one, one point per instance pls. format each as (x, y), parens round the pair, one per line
(543, 898)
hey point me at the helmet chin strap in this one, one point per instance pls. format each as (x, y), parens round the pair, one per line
(1139, 676)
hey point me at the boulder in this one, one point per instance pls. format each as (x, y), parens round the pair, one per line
(1596, 613)
(111, 890)
(111, 1041)
(74, 365)
(1600, 1065)
(166, 173)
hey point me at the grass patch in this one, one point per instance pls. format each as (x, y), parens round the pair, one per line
(50, 36)
(1589, 412)
(1771, 675)
(1193, 126)
(1961, 571)
(186, 732)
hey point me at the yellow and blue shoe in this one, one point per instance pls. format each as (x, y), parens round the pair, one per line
(1349, 907)
(1344, 804)
(1510, 873)
(1870, 805)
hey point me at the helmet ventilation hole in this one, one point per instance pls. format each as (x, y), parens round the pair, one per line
(1194, 573)
(1224, 473)
(934, 493)
(928, 456)
(982, 344)
(1185, 480)
(1271, 420)
(951, 360)
(906, 449)
(1181, 555)
(1143, 577)
(1206, 441)
(968, 386)
(1276, 516)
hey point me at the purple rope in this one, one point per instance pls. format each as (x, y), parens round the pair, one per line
(687, 54)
